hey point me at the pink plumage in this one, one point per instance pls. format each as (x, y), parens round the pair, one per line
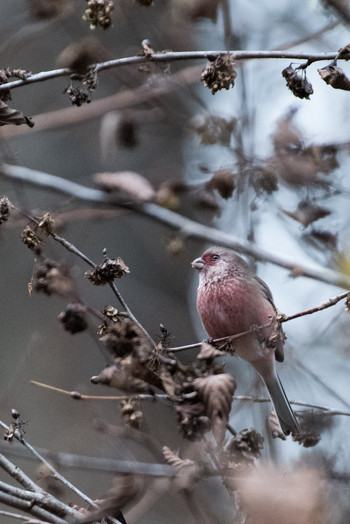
(230, 300)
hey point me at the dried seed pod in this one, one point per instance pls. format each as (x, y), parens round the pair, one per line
(4, 209)
(73, 318)
(297, 83)
(98, 13)
(219, 73)
(107, 271)
(30, 238)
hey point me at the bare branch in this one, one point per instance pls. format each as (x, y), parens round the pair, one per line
(79, 396)
(171, 56)
(186, 226)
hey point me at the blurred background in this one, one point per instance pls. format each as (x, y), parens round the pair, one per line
(296, 206)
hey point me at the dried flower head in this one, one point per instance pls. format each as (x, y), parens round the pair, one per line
(111, 313)
(107, 271)
(244, 447)
(4, 209)
(98, 13)
(30, 238)
(130, 409)
(219, 73)
(82, 93)
(46, 223)
(73, 318)
(51, 277)
(297, 82)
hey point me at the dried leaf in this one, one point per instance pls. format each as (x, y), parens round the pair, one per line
(174, 460)
(306, 213)
(344, 52)
(219, 73)
(322, 239)
(126, 183)
(10, 116)
(275, 426)
(118, 377)
(223, 181)
(335, 77)
(297, 83)
(214, 129)
(209, 352)
(216, 392)
(169, 384)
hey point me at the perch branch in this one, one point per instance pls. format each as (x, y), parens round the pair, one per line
(171, 56)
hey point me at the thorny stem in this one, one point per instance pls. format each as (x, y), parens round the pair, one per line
(170, 57)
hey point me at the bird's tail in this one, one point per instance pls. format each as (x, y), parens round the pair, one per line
(285, 414)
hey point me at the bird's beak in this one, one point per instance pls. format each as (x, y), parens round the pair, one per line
(198, 263)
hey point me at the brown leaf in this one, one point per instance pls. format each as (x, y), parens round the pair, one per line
(118, 377)
(127, 184)
(174, 460)
(306, 213)
(10, 116)
(209, 352)
(168, 383)
(223, 181)
(297, 83)
(275, 426)
(322, 239)
(335, 77)
(216, 392)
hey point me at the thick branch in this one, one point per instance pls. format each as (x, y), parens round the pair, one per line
(172, 57)
(185, 226)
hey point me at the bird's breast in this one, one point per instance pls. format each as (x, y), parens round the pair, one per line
(228, 307)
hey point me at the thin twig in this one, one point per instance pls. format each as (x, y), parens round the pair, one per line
(185, 226)
(55, 473)
(171, 57)
(79, 396)
(23, 518)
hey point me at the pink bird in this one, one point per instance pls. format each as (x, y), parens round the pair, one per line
(231, 299)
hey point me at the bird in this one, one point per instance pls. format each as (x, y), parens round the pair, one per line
(231, 299)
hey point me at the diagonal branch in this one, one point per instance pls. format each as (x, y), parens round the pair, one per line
(183, 225)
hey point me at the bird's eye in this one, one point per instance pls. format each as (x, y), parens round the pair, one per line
(215, 257)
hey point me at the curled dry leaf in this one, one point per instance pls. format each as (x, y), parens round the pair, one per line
(306, 213)
(209, 352)
(126, 184)
(216, 392)
(10, 116)
(297, 83)
(335, 77)
(116, 376)
(174, 460)
(223, 181)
